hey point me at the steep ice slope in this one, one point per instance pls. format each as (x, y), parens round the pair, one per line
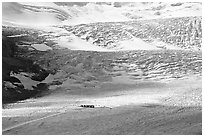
(154, 10)
(48, 13)
(107, 36)
(170, 33)
(65, 39)
(94, 13)
(52, 14)
(19, 14)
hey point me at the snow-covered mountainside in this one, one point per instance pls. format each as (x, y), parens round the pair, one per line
(78, 13)
(138, 65)
(103, 26)
(68, 40)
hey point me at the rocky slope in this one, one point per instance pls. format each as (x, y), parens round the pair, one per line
(16, 69)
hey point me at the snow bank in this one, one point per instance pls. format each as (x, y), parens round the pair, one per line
(75, 43)
(163, 45)
(26, 81)
(44, 4)
(41, 47)
(20, 35)
(135, 44)
(120, 100)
